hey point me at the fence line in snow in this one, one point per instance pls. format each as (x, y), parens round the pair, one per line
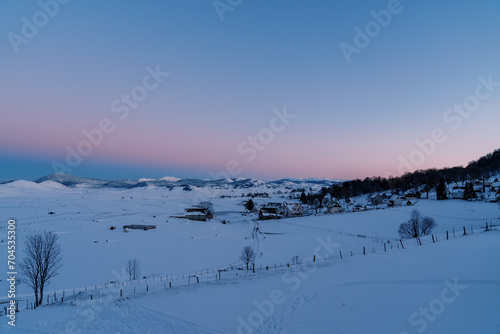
(155, 284)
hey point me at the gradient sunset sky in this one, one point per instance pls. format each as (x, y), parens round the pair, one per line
(228, 78)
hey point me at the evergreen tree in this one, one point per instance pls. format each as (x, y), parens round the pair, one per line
(473, 194)
(303, 197)
(467, 194)
(250, 205)
(441, 190)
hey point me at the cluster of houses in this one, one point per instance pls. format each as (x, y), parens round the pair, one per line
(329, 205)
(280, 210)
(487, 190)
(394, 200)
(296, 209)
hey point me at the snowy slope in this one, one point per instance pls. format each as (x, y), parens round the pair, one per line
(94, 254)
(448, 287)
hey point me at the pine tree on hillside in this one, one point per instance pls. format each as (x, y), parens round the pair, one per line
(467, 194)
(441, 190)
(303, 197)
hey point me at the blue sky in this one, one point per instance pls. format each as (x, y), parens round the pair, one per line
(353, 119)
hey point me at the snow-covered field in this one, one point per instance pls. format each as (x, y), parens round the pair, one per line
(382, 292)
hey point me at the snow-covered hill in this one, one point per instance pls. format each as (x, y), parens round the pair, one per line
(170, 181)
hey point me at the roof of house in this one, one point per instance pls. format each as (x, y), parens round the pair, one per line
(200, 210)
(334, 204)
(268, 212)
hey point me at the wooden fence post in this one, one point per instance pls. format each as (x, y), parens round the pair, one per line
(340, 254)
(433, 239)
(364, 251)
(401, 241)
(465, 232)
(447, 238)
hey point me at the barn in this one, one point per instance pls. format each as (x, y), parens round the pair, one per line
(334, 207)
(268, 213)
(198, 214)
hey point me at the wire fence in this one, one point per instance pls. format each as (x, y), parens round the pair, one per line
(114, 290)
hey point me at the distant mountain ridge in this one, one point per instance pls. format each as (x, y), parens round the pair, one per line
(69, 180)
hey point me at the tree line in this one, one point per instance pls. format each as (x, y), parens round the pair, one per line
(422, 180)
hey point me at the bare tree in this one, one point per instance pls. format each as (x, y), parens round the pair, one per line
(416, 226)
(247, 255)
(133, 269)
(295, 259)
(42, 260)
(207, 205)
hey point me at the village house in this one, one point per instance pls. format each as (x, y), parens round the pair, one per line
(377, 199)
(334, 207)
(293, 209)
(277, 206)
(267, 213)
(395, 200)
(199, 214)
(456, 194)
